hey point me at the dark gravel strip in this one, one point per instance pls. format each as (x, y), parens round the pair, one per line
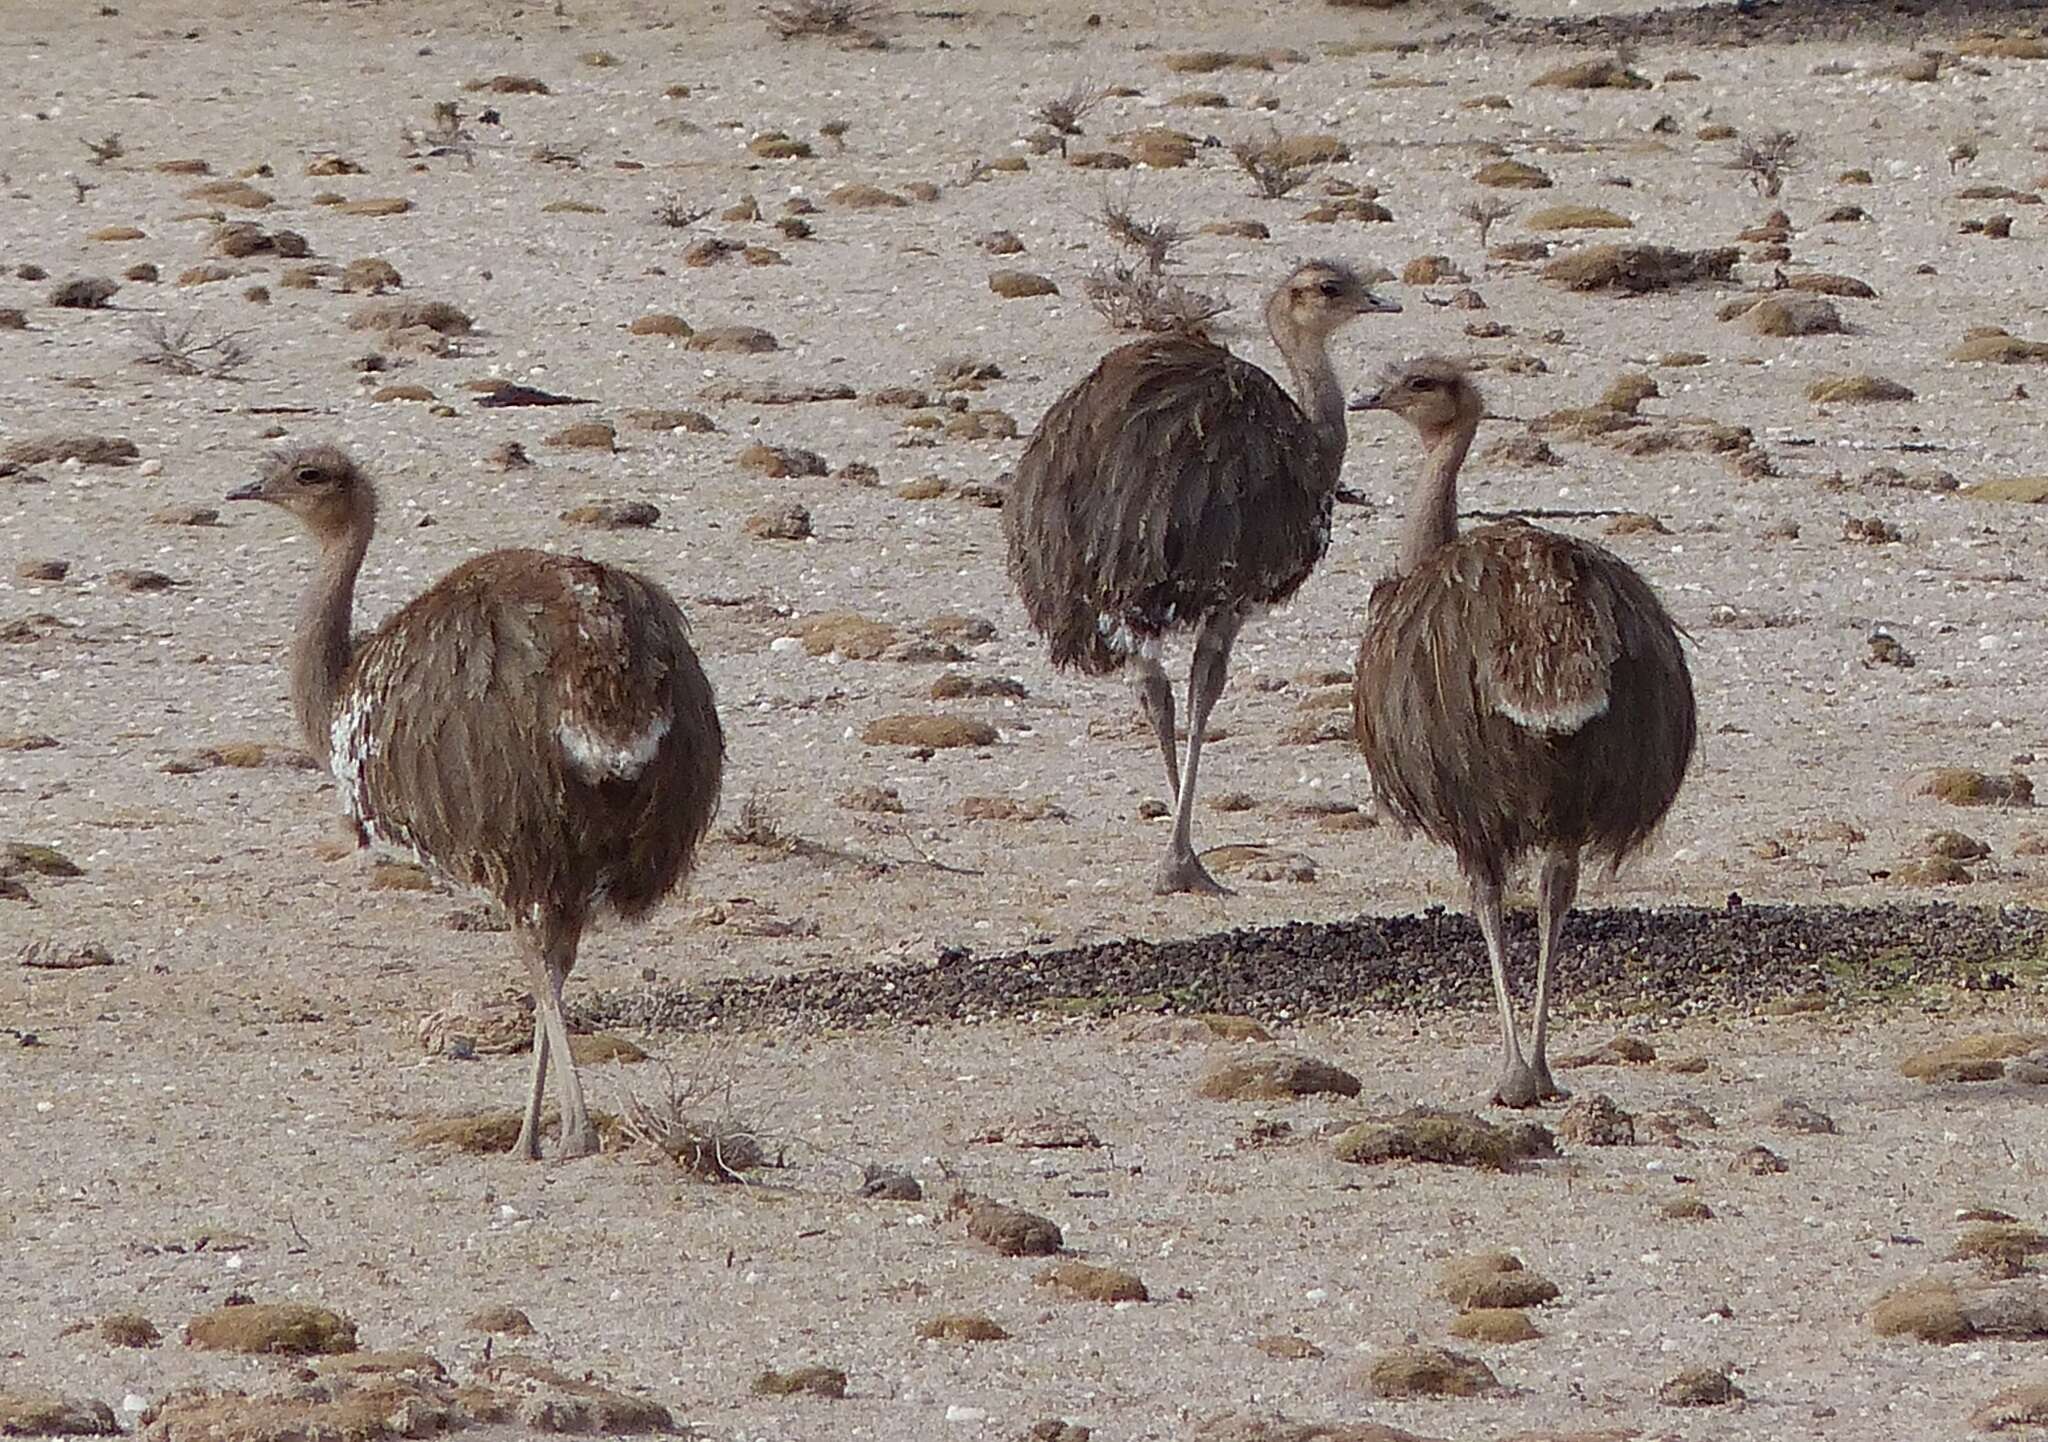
(1763, 22)
(1674, 961)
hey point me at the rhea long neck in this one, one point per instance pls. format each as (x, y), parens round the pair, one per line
(1433, 517)
(1307, 353)
(320, 649)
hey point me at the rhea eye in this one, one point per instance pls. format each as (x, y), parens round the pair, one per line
(307, 475)
(1422, 383)
(1331, 288)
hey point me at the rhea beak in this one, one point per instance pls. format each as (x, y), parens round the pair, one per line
(1368, 401)
(251, 492)
(1378, 305)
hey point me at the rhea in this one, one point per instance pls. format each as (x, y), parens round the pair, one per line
(532, 724)
(1179, 487)
(1517, 691)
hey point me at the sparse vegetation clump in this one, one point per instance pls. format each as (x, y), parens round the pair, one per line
(1610, 72)
(1766, 160)
(1062, 115)
(1275, 168)
(1134, 292)
(676, 213)
(795, 19)
(184, 348)
(1640, 269)
(1485, 212)
(1856, 390)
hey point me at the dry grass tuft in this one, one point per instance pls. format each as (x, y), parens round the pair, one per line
(1494, 1324)
(184, 349)
(1511, 175)
(758, 826)
(2003, 1247)
(289, 1328)
(1606, 73)
(1929, 1309)
(1145, 300)
(1964, 786)
(1280, 1076)
(795, 19)
(1062, 115)
(1640, 269)
(1276, 167)
(1090, 1283)
(928, 732)
(392, 315)
(1208, 62)
(1010, 1231)
(1428, 1372)
(1485, 212)
(1457, 1139)
(810, 1381)
(86, 449)
(1577, 217)
(1990, 343)
(962, 1327)
(1856, 390)
(1493, 1281)
(1971, 1058)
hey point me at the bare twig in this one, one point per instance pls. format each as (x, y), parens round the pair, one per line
(792, 19)
(716, 1148)
(1767, 160)
(1062, 115)
(1271, 168)
(1485, 212)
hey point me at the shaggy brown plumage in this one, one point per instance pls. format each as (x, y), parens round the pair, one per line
(532, 724)
(1516, 690)
(1179, 487)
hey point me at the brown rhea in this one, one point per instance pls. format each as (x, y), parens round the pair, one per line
(1179, 487)
(1517, 690)
(532, 724)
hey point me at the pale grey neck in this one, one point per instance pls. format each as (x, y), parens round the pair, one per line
(320, 649)
(1433, 518)
(1317, 388)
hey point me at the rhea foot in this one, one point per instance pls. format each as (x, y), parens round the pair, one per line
(1523, 1085)
(1183, 871)
(577, 1142)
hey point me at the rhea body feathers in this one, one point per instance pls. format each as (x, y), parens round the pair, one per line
(1180, 487)
(532, 724)
(1516, 691)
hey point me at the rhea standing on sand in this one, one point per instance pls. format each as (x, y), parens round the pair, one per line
(1179, 487)
(532, 724)
(1517, 690)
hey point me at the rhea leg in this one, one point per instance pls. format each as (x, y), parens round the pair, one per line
(1183, 870)
(1155, 699)
(549, 957)
(1518, 1086)
(1560, 884)
(528, 1145)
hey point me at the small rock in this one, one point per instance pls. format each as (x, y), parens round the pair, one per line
(1757, 1161)
(25, 1413)
(890, 1184)
(586, 435)
(1494, 1324)
(780, 461)
(1287, 1347)
(124, 1329)
(734, 340)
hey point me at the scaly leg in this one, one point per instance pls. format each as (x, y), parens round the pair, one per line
(1560, 884)
(548, 961)
(1518, 1086)
(1155, 699)
(1183, 870)
(528, 1145)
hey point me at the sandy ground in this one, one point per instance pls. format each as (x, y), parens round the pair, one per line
(250, 1061)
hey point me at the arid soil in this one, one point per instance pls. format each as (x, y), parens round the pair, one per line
(237, 1061)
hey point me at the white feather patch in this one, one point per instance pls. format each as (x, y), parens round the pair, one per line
(599, 757)
(349, 744)
(1555, 720)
